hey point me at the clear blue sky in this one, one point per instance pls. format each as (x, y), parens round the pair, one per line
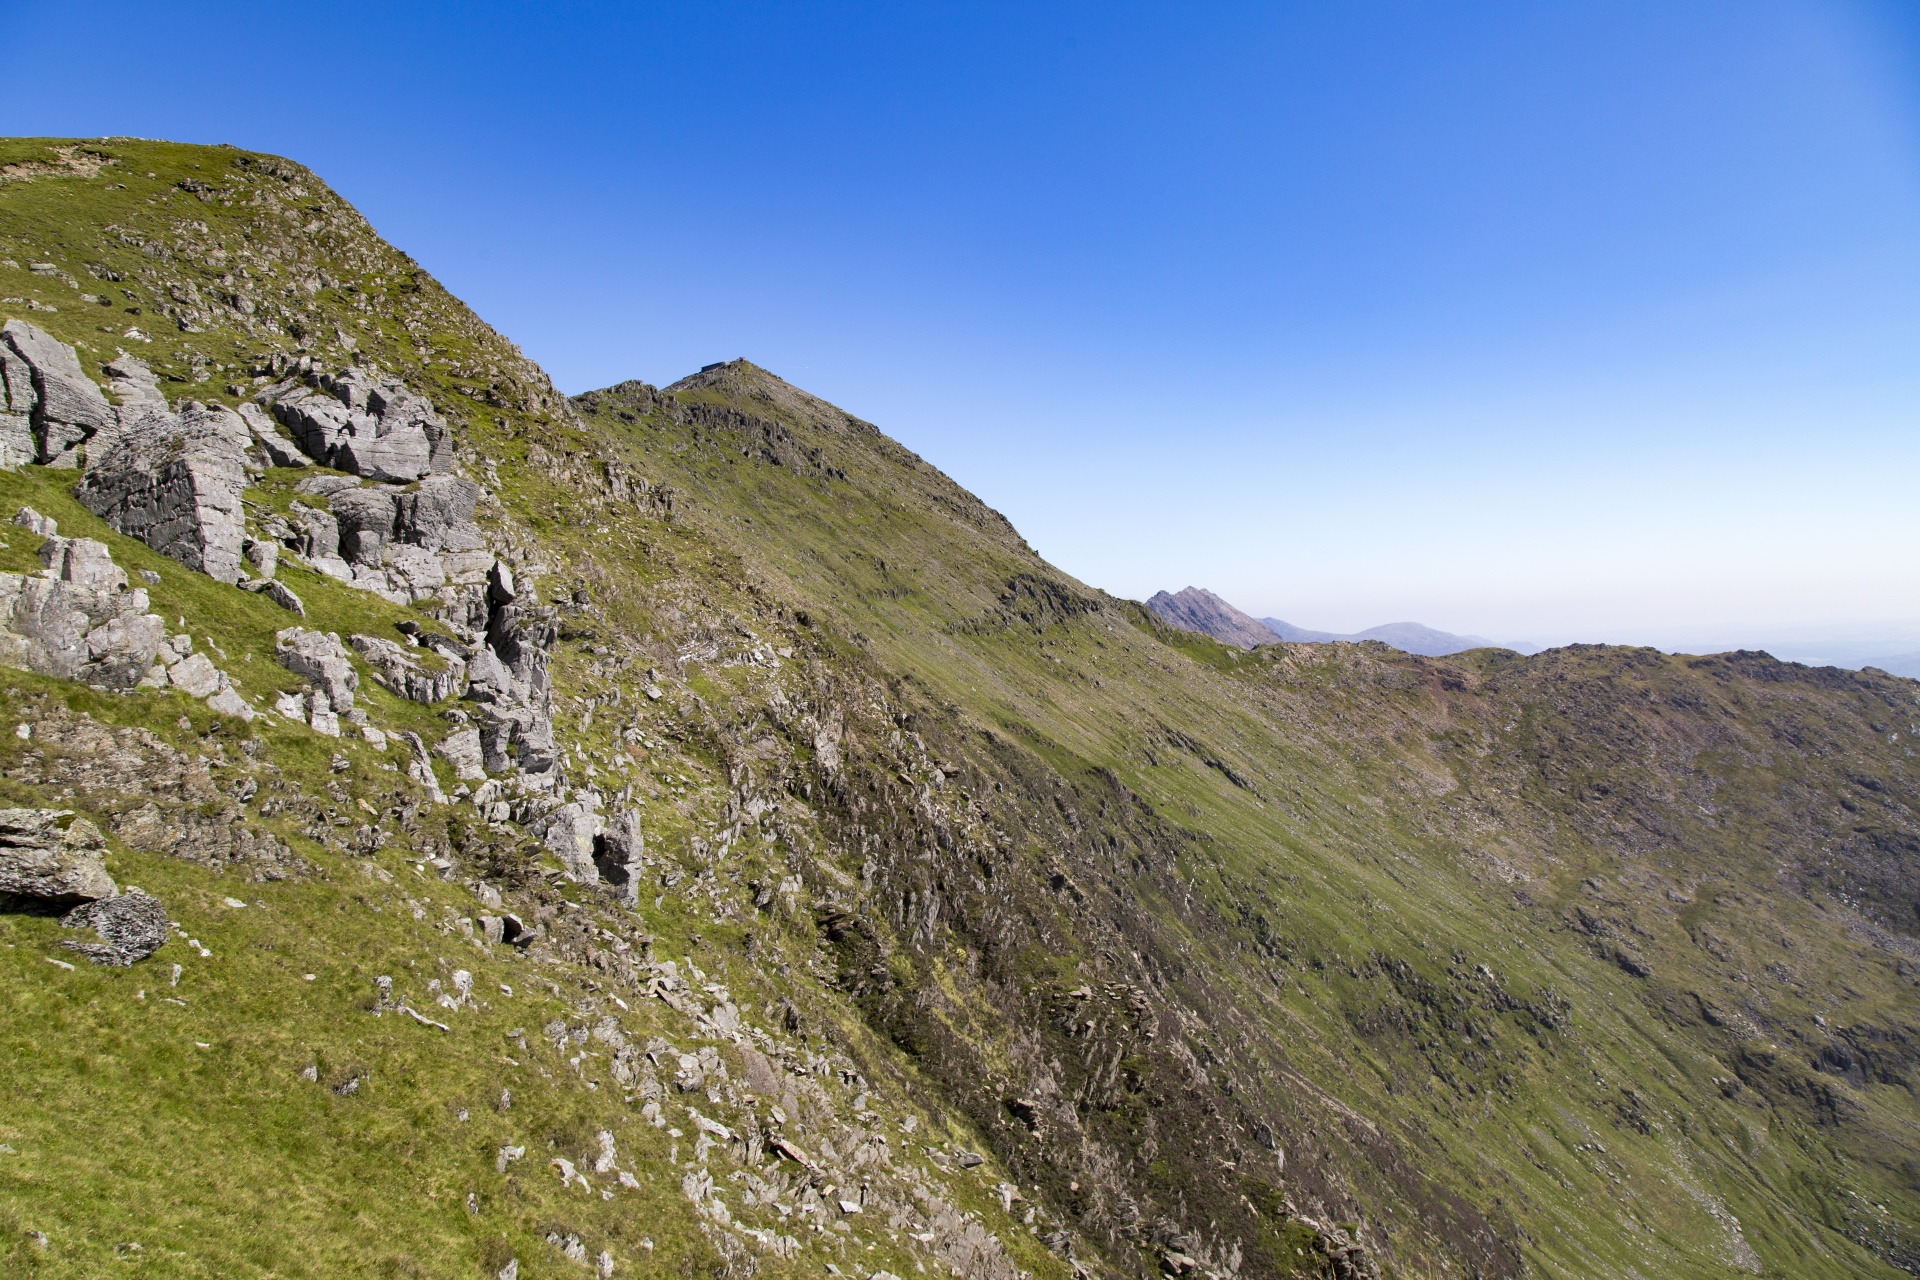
(1547, 320)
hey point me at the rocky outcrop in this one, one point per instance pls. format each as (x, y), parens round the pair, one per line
(619, 854)
(177, 666)
(63, 406)
(411, 546)
(508, 677)
(279, 451)
(571, 833)
(461, 749)
(51, 857)
(362, 422)
(17, 402)
(398, 672)
(130, 927)
(76, 619)
(320, 659)
(174, 482)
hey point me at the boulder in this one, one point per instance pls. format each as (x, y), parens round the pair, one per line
(500, 585)
(280, 594)
(131, 927)
(262, 557)
(175, 485)
(83, 561)
(322, 661)
(68, 406)
(33, 522)
(228, 702)
(197, 677)
(52, 857)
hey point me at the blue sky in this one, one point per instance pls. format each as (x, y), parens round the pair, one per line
(1542, 321)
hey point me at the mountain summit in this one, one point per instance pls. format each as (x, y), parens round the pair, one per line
(1197, 609)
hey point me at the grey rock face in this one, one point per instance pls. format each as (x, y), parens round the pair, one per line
(365, 518)
(509, 676)
(421, 768)
(619, 854)
(405, 547)
(318, 536)
(322, 661)
(133, 382)
(461, 749)
(17, 402)
(76, 619)
(280, 451)
(488, 677)
(49, 859)
(395, 670)
(363, 422)
(571, 832)
(176, 486)
(131, 927)
(439, 515)
(68, 407)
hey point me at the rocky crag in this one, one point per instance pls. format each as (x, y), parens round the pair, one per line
(677, 831)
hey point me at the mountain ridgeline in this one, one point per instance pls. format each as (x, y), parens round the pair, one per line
(680, 832)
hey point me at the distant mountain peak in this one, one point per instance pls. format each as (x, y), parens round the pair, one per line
(1197, 609)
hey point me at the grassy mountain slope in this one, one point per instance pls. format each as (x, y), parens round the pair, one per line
(1597, 963)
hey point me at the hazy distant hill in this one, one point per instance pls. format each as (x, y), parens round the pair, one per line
(1408, 637)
